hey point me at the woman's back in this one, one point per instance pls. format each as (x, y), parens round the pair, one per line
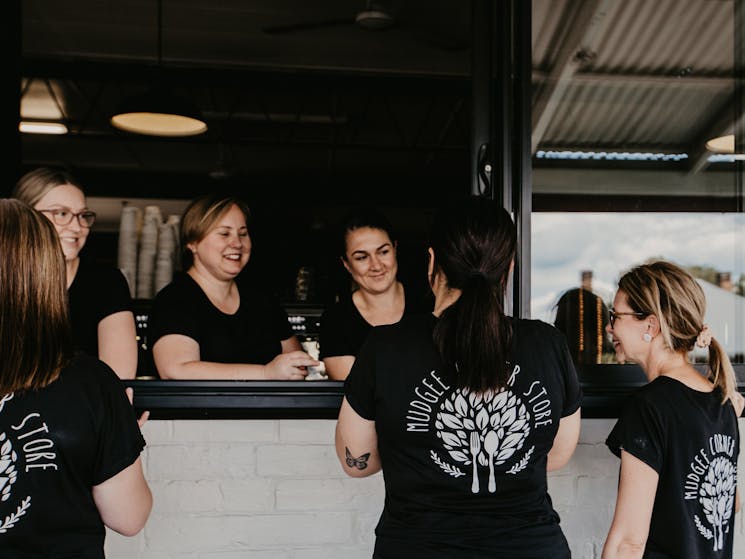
(692, 441)
(465, 473)
(56, 443)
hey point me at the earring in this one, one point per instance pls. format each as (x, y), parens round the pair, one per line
(647, 337)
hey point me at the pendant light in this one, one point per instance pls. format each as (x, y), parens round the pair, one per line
(158, 112)
(724, 145)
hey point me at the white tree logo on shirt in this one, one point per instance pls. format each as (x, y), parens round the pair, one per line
(717, 497)
(8, 476)
(482, 429)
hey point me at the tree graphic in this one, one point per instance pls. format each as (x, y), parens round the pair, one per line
(717, 496)
(8, 472)
(482, 429)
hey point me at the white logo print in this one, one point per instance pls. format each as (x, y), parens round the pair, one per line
(717, 497)
(712, 482)
(482, 429)
(8, 476)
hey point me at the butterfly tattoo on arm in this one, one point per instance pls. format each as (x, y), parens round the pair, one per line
(360, 463)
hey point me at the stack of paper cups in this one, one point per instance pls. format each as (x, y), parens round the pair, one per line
(129, 227)
(148, 250)
(164, 260)
(174, 222)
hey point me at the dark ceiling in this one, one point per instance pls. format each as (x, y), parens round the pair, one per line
(298, 96)
(304, 101)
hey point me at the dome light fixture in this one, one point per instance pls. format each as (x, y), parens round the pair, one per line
(157, 111)
(724, 145)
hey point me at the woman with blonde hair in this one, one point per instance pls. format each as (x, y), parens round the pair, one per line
(678, 437)
(204, 324)
(70, 442)
(99, 298)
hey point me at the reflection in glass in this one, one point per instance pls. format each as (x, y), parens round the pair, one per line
(582, 316)
(567, 247)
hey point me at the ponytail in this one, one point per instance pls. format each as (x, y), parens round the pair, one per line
(474, 245)
(721, 373)
(474, 336)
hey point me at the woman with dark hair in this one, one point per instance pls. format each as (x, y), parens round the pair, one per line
(465, 409)
(678, 437)
(204, 325)
(70, 460)
(100, 302)
(368, 253)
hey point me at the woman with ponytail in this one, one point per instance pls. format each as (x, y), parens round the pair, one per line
(464, 409)
(677, 437)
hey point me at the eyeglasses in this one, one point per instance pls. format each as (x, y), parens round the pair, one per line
(63, 216)
(613, 315)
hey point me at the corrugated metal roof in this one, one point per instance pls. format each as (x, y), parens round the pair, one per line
(635, 74)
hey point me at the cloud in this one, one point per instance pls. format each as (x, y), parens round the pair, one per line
(565, 244)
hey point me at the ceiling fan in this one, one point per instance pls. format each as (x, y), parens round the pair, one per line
(374, 16)
(443, 24)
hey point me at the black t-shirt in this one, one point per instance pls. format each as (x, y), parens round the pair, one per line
(692, 441)
(344, 329)
(55, 445)
(253, 334)
(439, 501)
(96, 292)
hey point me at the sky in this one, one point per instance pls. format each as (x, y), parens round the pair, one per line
(564, 244)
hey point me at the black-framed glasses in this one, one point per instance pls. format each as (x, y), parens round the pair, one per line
(63, 216)
(613, 315)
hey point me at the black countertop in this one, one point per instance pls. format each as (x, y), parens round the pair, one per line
(605, 388)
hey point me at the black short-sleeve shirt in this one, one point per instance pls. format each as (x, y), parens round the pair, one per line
(253, 334)
(96, 292)
(692, 441)
(55, 445)
(465, 473)
(344, 329)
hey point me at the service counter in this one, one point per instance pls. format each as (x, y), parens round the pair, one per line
(231, 487)
(605, 387)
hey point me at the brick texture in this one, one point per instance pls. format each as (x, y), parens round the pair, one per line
(274, 490)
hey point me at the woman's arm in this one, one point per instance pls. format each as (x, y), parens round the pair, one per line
(117, 343)
(177, 357)
(124, 501)
(338, 367)
(565, 442)
(356, 443)
(630, 527)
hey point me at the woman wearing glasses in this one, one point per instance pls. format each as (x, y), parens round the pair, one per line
(99, 298)
(677, 437)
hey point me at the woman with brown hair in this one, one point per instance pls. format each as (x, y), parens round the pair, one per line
(205, 325)
(677, 438)
(368, 252)
(103, 323)
(70, 459)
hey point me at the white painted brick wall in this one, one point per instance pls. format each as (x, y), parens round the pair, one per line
(273, 489)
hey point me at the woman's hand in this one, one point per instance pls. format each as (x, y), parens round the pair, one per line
(145, 415)
(289, 366)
